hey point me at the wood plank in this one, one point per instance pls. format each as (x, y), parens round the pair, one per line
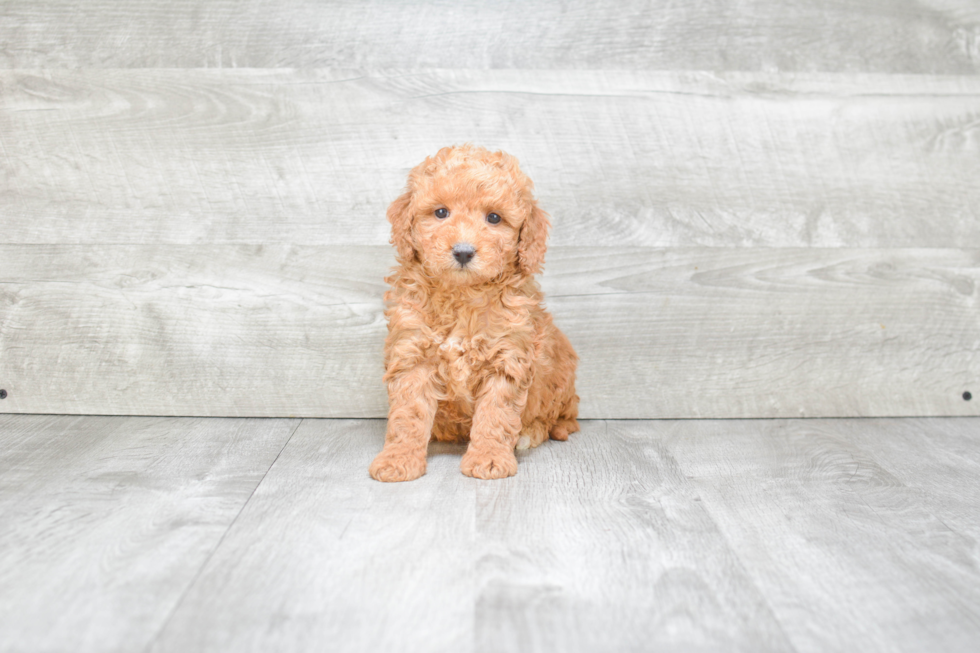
(122, 534)
(324, 556)
(601, 544)
(619, 158)
(760, 535)
(214, 331)
(106, 521)
(706, 332)
(939, 459)
(298, 331)
(919, 36)
(848, 554)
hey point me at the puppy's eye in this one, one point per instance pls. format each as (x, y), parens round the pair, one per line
(493, 218)
(442, 213)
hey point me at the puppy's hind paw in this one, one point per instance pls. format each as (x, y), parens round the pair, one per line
(561, 430)
(391, 467)
(499, 463)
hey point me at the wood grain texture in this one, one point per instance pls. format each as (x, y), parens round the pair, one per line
(592, 546)
(106, 521)
(915, 36)
(324, 557)
(602, 545)
(237, 331)
(755, 535)
(298, 331)
(619, 158)
(937, 460)
(771, 333)
(849, 554)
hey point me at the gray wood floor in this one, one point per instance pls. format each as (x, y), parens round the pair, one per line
(198, 534)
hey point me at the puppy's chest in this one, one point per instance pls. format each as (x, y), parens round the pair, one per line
(463, 359)
(472, 344)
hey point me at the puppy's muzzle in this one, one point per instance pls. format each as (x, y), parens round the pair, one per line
(463, 253)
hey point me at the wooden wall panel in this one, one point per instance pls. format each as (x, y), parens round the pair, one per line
(184, 330)
(655, 159)
(916, 36)
(298, 330)
(192, 197)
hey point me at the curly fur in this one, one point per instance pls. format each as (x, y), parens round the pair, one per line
(471, 353)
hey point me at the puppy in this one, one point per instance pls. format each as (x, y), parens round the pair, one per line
(471, 353)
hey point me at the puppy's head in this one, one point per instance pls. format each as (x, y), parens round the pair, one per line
(468, 215)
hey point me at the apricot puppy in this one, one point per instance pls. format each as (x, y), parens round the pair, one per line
(471, 353)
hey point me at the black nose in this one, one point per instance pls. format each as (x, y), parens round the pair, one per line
(464, 253)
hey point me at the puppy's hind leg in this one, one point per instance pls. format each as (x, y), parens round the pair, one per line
(562, 428)
(532, 435)
(567, 421)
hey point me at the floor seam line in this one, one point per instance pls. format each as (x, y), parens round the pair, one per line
(691, 483)
(231, 524)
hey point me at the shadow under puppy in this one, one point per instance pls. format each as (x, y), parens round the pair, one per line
(471, 353)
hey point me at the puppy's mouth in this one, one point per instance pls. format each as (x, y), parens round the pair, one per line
(466, 271)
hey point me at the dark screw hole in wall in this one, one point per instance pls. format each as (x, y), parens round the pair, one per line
(967, 396)
(3, 394)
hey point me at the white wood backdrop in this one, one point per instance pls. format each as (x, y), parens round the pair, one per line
(760, 209)
(917, 36)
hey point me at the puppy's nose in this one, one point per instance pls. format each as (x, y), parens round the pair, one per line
(463, 253)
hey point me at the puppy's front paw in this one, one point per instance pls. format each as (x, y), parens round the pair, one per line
(498, 463)
(392, 466)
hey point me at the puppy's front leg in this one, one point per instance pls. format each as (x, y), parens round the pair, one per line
(413, 400)
(496, 428)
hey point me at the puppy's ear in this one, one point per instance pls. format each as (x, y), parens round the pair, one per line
(533, 241)
(401, 226)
